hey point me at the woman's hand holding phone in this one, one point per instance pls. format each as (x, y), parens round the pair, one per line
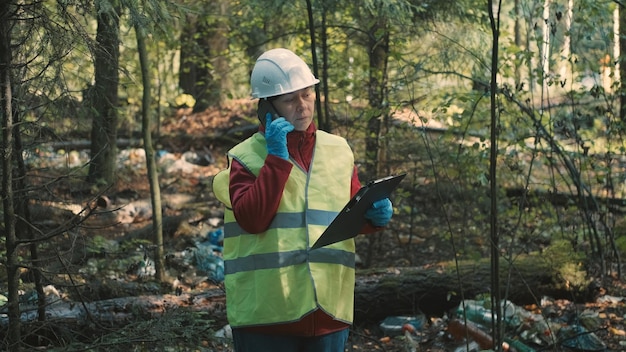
(276, 136)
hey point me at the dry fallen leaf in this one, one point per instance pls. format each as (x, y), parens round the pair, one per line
(617, 332)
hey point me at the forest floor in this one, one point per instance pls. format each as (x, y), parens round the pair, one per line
(192, 151)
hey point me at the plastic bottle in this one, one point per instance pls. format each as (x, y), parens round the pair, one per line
(518, 345)
(460, 329)
(395, 325)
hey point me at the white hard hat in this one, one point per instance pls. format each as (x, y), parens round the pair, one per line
(280, 71)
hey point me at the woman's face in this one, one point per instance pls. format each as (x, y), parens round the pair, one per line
(297, 107)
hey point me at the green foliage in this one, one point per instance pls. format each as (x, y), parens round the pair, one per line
(98, 244)
(109, 258)
(570, 264)
(184, 100)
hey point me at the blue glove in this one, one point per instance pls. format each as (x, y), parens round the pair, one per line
(276, 136)
(380, 212)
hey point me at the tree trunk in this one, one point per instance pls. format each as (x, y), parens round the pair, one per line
(153, 175)
(219, 82)
(104, 128)
(325, 125)
(187, 74)
(545, 47)
(622, 64)
(565, 70)
(6, 192)
(494, 231)
(321, 90)
(517, 32)
(378, 49)
(24, 225)
(204, 63)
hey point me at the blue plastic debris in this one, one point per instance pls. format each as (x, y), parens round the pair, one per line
(216, 237)
(578, 338)
(209, 262)
(392, 326)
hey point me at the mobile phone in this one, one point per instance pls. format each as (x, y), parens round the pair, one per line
(264, 107)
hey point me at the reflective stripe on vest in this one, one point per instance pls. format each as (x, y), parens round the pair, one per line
(288, 220)
(284, 259)
(273, 277)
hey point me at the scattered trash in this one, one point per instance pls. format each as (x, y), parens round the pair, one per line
(539, 331)
(142, 268)
(610, 299)
(480, 340)
(393, 326)
(472, 346)
(578, 338)
(460, 330)
(214, 221)
(207, 256)
(225, 333)
(216, 238)
(410, 341)
(201, 159)
(518, 345)
(530, 329)
(30, 297)
(47, 156)
(209, 261)
(479, 311)
(52, 292)
(617, 332)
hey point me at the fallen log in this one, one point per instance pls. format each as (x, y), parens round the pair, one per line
(538, 197)
(438, 289)
(432, 290)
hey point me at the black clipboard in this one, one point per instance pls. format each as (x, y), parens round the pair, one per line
(351, 219)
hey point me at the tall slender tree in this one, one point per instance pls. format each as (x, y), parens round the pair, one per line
(105, 97)
(321, 121)
(622, 62)
(146, 128)
(204, 55)
(7, 10)
(545, 47)
(494, 9)
(378, 52)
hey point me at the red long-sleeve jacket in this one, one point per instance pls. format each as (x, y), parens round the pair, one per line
(255, 201)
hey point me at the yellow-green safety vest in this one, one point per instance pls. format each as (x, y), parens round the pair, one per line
(273, 277)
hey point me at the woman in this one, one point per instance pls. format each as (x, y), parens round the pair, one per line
(283, 187)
